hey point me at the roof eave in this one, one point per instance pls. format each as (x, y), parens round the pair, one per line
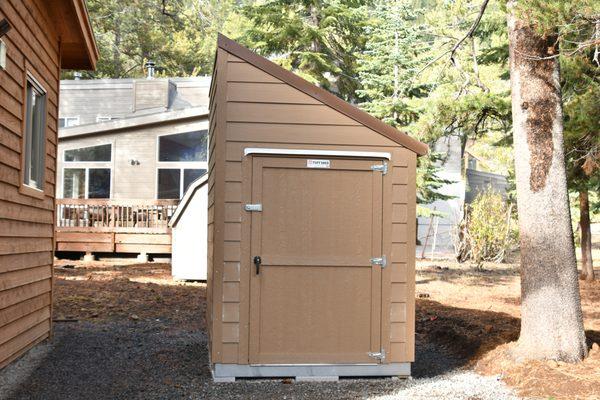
(131, 123)
(321, 95)
(83, 54)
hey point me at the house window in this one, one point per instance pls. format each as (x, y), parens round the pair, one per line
(86, 183)
(182, 158)
(35, 136)
(170, 182)
(65, 122)
(183, 147)
(101, 153)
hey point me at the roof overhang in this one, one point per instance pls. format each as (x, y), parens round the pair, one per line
(132, 122)
(78, 46)
(321, 95)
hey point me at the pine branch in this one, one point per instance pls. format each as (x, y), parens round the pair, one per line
(471, 31)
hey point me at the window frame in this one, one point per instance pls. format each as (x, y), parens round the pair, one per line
(62, 165)
(31, 78)
(76, 118)
(181, 179)
(86, 176)
(181, 165)
(64, 154)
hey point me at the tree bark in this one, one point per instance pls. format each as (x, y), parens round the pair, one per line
(587, 265)
(551, 317)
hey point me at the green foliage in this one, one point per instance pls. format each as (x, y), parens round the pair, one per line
(317, 40)
(487, 232)
(179, 35)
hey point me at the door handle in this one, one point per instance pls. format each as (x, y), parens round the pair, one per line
(257, 261)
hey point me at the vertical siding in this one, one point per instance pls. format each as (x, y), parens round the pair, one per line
(259, 110)
(26, 222)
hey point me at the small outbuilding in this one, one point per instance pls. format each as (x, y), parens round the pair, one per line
(311, 229)
(188, 223)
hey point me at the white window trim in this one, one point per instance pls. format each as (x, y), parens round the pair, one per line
(87, 179)
(33, 184)
(181, 165)
(88, 162)
(76, 118)
(104, 118)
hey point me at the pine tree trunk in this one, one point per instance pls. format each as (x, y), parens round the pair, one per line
(587, 267)
(551, 317)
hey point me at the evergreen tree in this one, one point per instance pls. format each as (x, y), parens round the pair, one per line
(551, 316)
(178, 35)
(581, 98)
(387, 70)
(315, 39)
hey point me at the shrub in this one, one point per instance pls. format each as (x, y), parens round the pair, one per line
(487, 231)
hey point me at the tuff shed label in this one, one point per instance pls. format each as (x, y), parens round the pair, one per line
(318, 163)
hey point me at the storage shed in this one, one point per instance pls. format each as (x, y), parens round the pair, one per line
(311, 227)
(188, 229)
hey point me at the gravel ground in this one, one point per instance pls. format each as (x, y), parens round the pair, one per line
(151, 360)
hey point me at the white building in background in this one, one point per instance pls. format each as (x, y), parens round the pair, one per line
(468, 180)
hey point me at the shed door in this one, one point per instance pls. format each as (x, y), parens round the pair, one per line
(316, 297)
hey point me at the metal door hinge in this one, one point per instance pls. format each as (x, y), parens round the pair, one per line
(377, 355)
(253, 207)
(380, 167)
(379, 261)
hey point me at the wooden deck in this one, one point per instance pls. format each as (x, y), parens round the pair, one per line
(114, 226)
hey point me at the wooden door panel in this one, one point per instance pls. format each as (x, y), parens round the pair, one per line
(317, 215)
(317, 298)
(315, 314)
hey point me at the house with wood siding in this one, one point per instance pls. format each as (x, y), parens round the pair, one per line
(40, 38)
(128, 149)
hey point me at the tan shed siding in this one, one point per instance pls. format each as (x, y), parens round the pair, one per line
(223, 331)
(261, 111)
(411, 249)
(400, 308)
(26, 222)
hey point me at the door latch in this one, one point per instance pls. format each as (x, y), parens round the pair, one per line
(257, 262)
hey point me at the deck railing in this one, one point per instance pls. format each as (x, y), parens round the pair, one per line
(100, 215)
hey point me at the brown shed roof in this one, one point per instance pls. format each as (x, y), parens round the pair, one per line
(322, 95)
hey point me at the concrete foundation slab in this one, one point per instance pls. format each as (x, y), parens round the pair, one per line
(317, 378)
(309, 371)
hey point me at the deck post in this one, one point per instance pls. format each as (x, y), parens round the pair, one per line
(142, 257)
(88, 257)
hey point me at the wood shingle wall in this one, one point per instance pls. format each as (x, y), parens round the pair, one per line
(26, 221)
(251, 108)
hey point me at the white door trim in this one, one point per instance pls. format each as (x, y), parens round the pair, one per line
(303, 152)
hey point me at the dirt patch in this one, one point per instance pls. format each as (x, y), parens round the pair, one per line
(548, 379)
(109, 291)
(476, 314)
